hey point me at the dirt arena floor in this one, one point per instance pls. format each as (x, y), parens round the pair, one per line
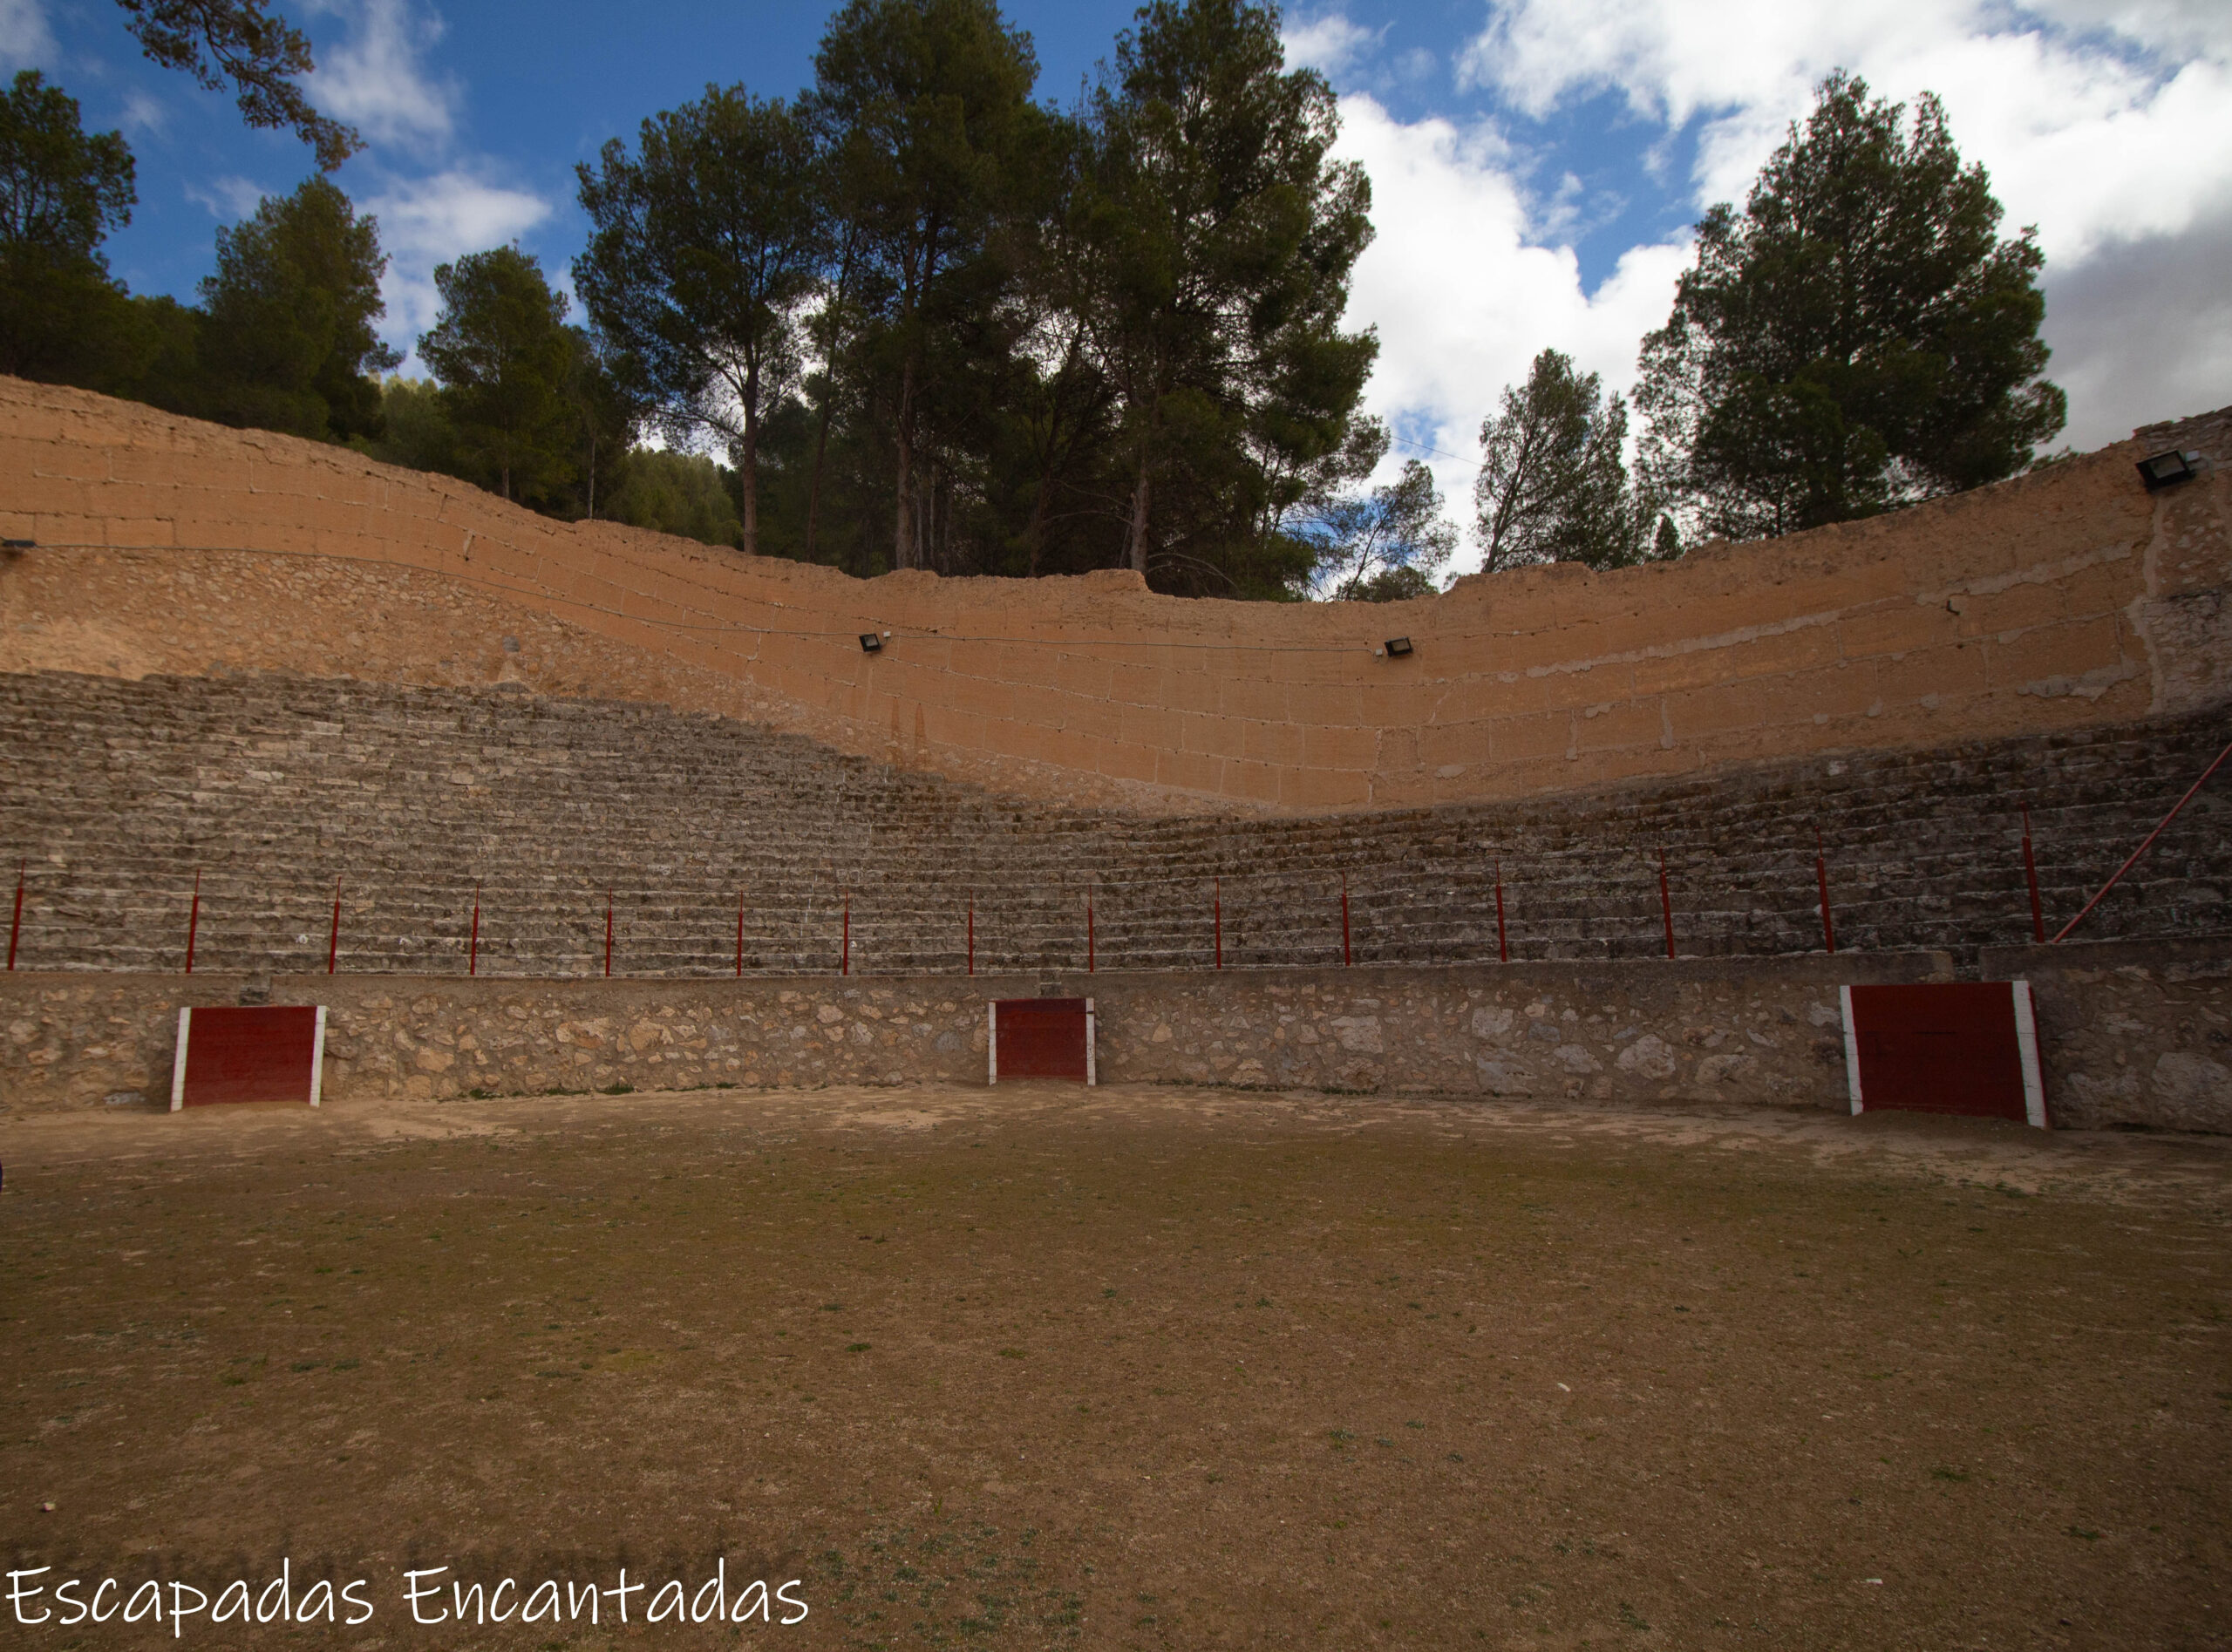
(1127, 1368)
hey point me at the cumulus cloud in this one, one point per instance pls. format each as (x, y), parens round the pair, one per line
(425, 221)
(1465, 291)
(25, 40)
(2100, 121)
(377, 78)
(1329, 42)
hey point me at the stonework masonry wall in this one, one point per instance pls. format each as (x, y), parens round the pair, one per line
(413, 805)
(2063, 600)
(2137, 1034)
(1636, 1033)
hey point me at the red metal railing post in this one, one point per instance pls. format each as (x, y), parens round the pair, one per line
(607, 932)
(15, 927)
(333, 940)
(972, 932)
(472, 958)
(2030, 876)
(1217, 913)
(845, 959)
(193, 921)
(1821, 877)
(1665, 903)
(739, 934)
(1088, 932)
(1348, 957)
(1503, 946)
(2143, 847)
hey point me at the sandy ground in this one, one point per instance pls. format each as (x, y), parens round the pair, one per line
(1135, 1367)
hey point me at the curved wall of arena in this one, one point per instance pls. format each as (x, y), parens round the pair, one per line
(2068, 598)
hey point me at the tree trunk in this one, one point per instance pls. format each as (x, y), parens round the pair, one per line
(1036, 532)
(813, 480)
(1139, 534)
(748, 462)
(902, 536)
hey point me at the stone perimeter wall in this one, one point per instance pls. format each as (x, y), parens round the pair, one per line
(2066, 599)
(1634, 1033)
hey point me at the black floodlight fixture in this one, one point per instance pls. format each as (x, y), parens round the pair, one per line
(871, 643)
(1396, 646)
(18, 547)
(2165, 470)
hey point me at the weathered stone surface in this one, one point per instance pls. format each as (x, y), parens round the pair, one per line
(1633, 1032)
(2131, 1033)
(414, 798)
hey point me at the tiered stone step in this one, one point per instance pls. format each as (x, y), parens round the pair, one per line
(272, 787)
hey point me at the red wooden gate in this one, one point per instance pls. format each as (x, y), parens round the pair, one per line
(227, 1054)
(1970, 1048)
(1042, 1038)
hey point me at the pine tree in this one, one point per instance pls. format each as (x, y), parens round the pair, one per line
(1858, 338)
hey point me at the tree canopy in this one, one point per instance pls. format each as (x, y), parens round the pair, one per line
(258, 52)
(62, 190)
(286, 340)
(1554, 483)
(706, 244)
(1859, 337)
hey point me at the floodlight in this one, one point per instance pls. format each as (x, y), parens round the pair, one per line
(1396, 647)
(2162, 470)
(871, 643)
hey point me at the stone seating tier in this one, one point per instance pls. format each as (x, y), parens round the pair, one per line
(272, 786)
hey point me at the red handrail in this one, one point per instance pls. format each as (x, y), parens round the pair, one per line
(2142, 849)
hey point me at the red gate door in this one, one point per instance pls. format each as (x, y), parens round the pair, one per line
(1970, 1048)
(228, 1054)
(1042, 1038)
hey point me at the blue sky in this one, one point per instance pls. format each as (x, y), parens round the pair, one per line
(1535, 163)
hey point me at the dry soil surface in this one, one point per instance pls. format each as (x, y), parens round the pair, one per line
(1126, 1368)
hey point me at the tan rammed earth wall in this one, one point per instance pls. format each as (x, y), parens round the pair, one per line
(2064, 598)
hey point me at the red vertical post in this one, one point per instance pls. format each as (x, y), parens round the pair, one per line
(1088, 932)
(1217, 913)
(1821, 877)
(15, 927)
(1665, 903)
(1348, 957)
(607, 932)
(845, 959)
(739, 934)
(972, 932)
(333, 940)
(1503, 946)
(192, 920)
(2029, 873)
(472, 958)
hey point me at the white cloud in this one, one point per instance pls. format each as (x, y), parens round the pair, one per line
(229, 199)
(377, 81)
(26, 41)
(143, 111)
(1329, 42)
(1464, 294)
(425, 221)
(2100, 121)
